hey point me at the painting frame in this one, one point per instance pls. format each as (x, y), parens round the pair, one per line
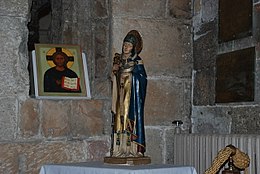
(76, 62)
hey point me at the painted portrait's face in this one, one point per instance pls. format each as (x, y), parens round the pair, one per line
(59, 60)
(127, 47)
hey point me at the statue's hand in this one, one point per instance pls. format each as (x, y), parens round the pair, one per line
(115, 68)
(117, 58)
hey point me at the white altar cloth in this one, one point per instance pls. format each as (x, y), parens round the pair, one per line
(101, 168)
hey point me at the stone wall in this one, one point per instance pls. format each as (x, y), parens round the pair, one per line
(208, 116)
(34, 132)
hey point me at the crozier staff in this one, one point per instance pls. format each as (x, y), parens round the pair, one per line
(129, 81)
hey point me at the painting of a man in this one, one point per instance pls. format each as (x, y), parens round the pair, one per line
(60, 78)
(60, 71)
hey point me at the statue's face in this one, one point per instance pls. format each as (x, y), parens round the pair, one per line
(127, 47)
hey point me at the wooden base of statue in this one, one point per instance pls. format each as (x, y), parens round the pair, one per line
(128, 160)
(230, 172)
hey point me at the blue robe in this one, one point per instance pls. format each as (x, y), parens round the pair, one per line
(137, 100)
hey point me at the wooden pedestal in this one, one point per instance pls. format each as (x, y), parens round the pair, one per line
(230, 172)
(128, 160)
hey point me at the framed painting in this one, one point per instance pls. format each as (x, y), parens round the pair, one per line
(60, 72)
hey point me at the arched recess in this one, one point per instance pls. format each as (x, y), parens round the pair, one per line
(40, 22)
(39, 27)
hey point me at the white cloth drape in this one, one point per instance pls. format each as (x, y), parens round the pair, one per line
(100, 168)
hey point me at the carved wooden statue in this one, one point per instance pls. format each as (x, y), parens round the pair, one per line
(129, 81)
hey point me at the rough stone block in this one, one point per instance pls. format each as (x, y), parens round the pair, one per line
(211, 120)
(29, 157)
(204, 54)
(165, 102)
(245, 119)
(257, 77)
(76, 12)
(154, 144)
(29, 118)
(225, 120)
(102, 63)
(135, 8)
(76, 22)
(87, 118)
(209, 10)
(102, 89)
(101, 9)
(8, 118)
(17, 8)
(9, 158)
(107, 117)
(14, 75)
(97, 149)
(56, 117)
(204, 87)
(180, 9)
(205, 46)
(169, 145)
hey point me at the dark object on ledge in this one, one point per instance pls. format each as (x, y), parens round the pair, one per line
(178, 123)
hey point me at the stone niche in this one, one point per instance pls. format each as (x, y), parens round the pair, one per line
(235, 76)
(226, 67)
